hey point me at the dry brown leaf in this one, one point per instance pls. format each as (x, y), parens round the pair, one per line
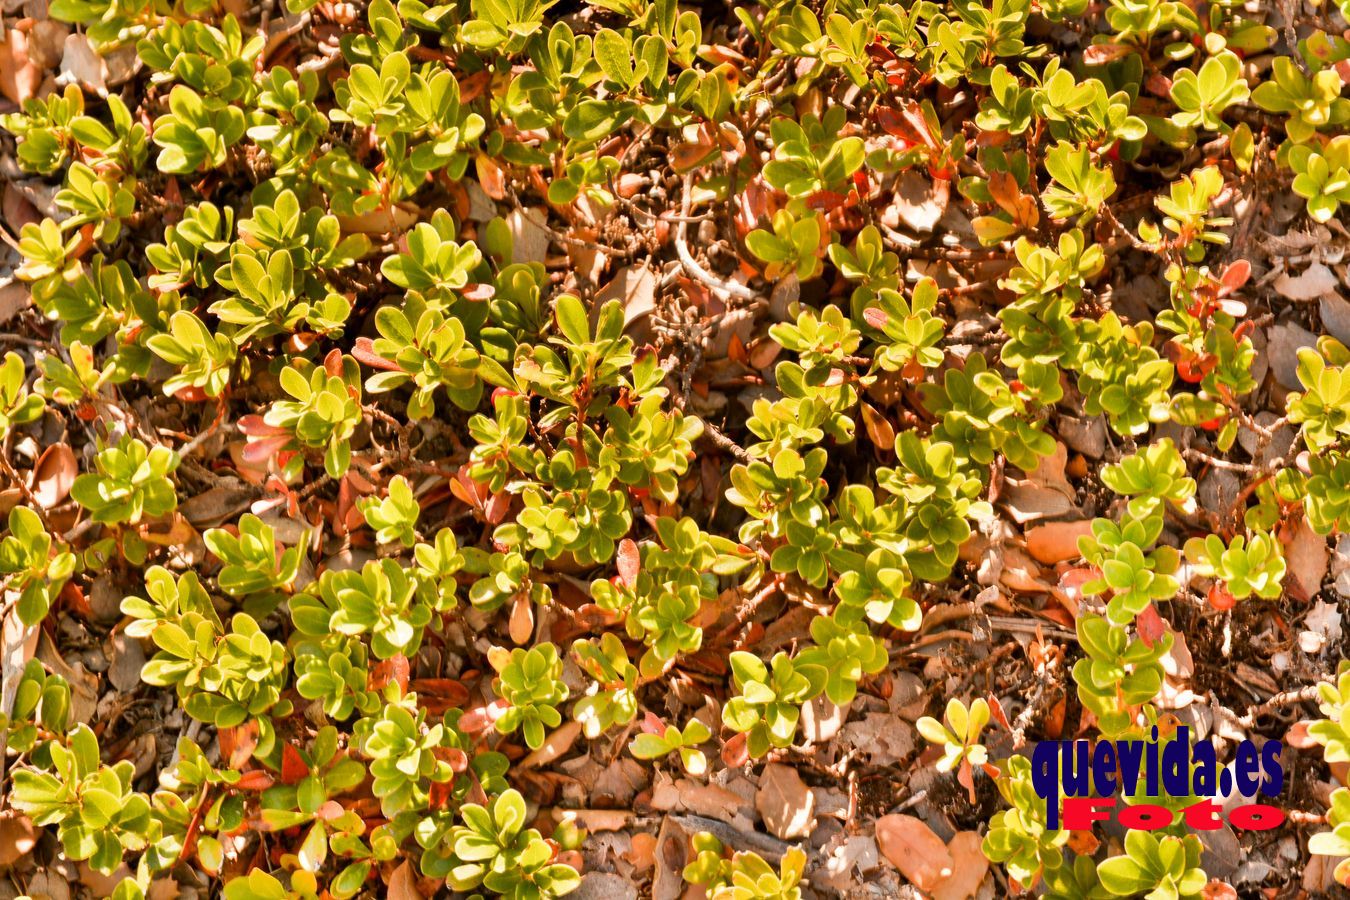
(17, 837)
(879, 428)
(529, 234)
(1308, 557)
(1027, 501)
(1311, 284)
(83, 684)
(968, 870)
(672, 854)
(403, 883)
(82, 65)
(642, 852)
(915, 850)
(14, 296)
(19, 211)
(595, 819)
(53, 474)
(521, 625)
(785, 802)
(19, 77)
(125, 662)
(1021, 573)
(18, 644)
(919, 202)
(635, 288)
(558, 742)
(1057, 541)
(214, 506)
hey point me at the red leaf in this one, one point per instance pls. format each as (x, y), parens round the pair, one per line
(394, 669)
(294, 769)
(1221, 598)
(735, 752)
(257, 780)
(436, 695)
(256, 426)
(1151, 625)
(1234, 277)
(258, 452)
(364, 352)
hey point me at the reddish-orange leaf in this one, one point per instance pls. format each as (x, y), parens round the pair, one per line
(392, 670)
(294, 769)
(257, 780)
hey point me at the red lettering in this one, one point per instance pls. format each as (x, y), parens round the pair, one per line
(1204, 816)
(1080, 812)
(1145, 816)
(1256, 817)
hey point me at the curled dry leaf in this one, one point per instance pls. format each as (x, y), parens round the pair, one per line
(53, 474)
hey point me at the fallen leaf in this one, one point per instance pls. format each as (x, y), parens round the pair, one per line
(785, 802)
(968, 869)
(19, 77)
(642, 852)
(919, 203)
(47, 44)
(558, 742)
(1284, 343)
(1335, 311)
(403, 883)
(17, 837)
(1027, 501)
(53, 474)
(238, 743)
(1311, 284)
(15, 296)
(822, 719)
(1057, 541)
(915, 850)
(671, 856)
(635, 288)
(1324, 619)
(879, 428)
(521, 624)
(529, 234)
(83, 684)
(82, 65)
(1308, 557)
(125, 662)
(596, 819)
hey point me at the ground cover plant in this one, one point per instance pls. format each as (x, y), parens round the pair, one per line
(618, 448)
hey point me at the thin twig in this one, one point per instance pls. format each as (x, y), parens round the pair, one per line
(1284, 698)
(718, 437)
(724, 289)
